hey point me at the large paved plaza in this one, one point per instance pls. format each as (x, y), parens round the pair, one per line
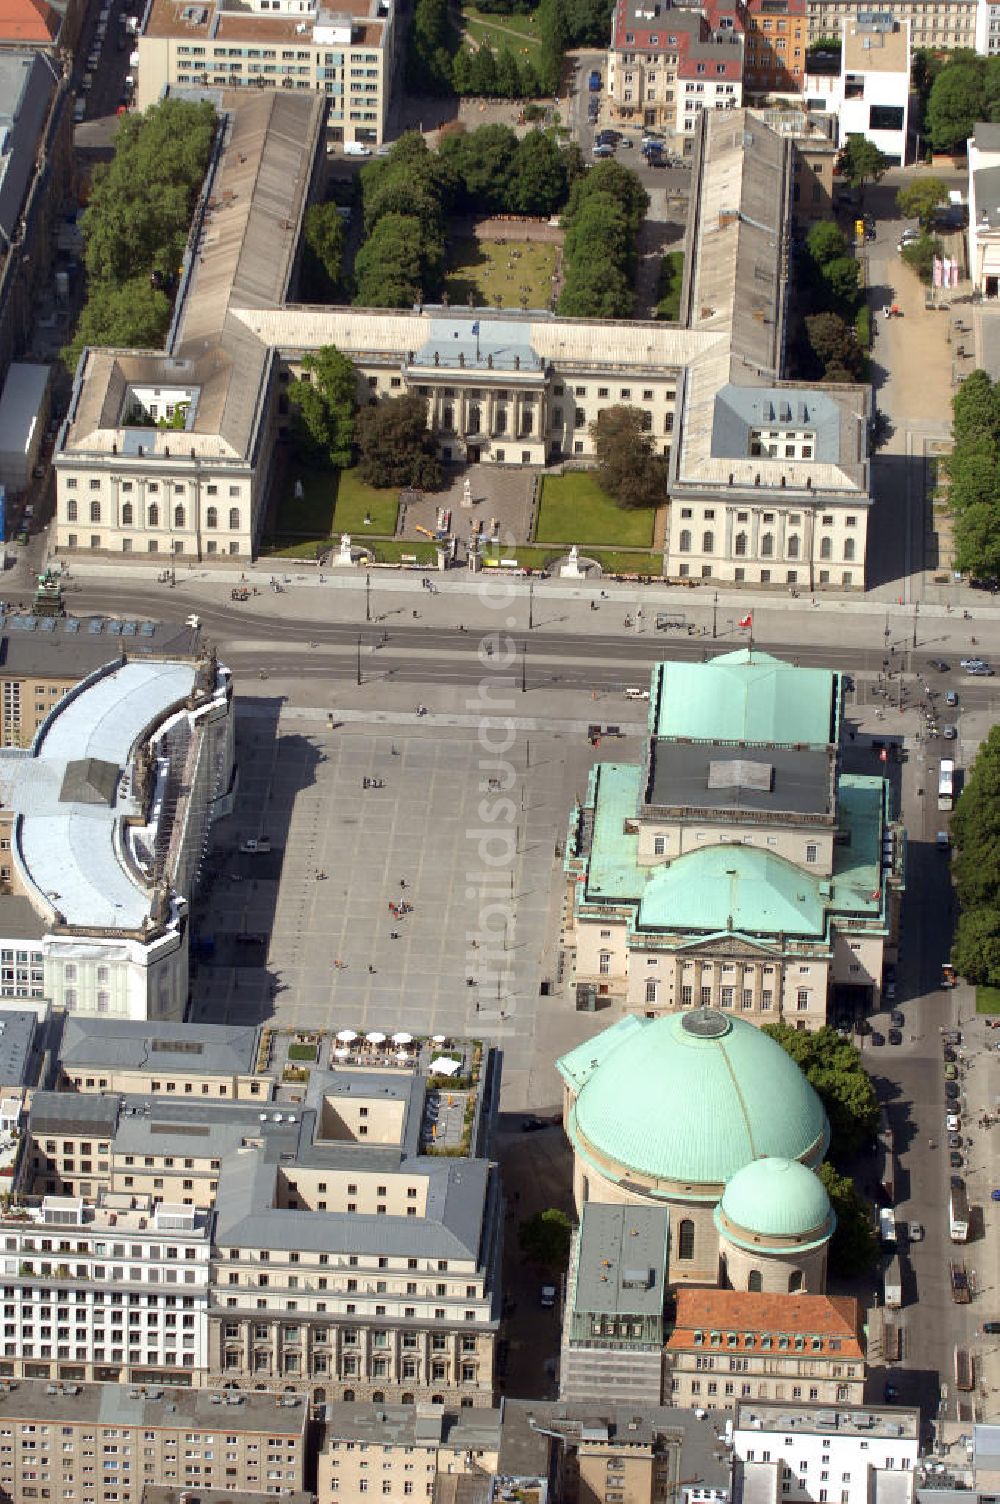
(479, 866)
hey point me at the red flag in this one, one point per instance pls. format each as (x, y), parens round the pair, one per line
(747, 621)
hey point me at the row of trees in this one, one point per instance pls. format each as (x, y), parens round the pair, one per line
(323, 233)
(602, 219)
(974, 475)
(975, 830)
(390, 439)
(438, 63)
(829, 282)
(833, 1067)
(963, 89)
(136, 224)
(408, 196)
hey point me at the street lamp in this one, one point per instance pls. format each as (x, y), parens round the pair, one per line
(531, 604)
(359, 659)
(715, 609)
(524, 668)
(368, 597)
(916, 609)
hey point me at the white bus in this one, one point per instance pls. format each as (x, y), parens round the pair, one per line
(959, 1215)
(946, 783)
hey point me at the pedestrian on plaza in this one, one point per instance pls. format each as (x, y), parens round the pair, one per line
(402, 882)
(371, 969)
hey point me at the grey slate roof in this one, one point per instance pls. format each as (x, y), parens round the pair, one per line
(738, 410)
(619, 1248)
(801, 781)
(18, 1028)
(170, 1047)
(71, 1112)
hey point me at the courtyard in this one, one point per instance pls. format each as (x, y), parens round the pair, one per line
(500, 274)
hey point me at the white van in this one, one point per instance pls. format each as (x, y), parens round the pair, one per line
(357, 149)
(637, 694)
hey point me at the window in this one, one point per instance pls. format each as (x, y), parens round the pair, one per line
(153, 515)
(793, 546)
(826, 548)
(659, 845)
(849, 549)
(708, 543)
(802, 999)
(651, 992)
(604, 963)
(71, 511)
(812, 851)
(95, 511)
(740, 545)
(212, 517)
(684, 542)
(754, 1281)
(178, 516)
(767, 546)
(685, 1239)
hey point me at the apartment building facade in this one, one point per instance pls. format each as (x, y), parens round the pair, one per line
(939, 25)
(346, 55)
(731, 1347)
(104, 1444)
(668, 62)
(776, 44)
(805, 1453)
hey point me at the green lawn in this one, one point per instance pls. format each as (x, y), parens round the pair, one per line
(610, 560)
(332, 503)
(668, 290)
(988, 999)
(518, 32)
(574, 509)
(519, 275)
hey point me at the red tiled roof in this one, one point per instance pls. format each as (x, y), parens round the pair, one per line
(27, 21)
(751, 1313)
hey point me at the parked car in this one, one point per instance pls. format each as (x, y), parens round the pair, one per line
(532, 1124)
(981, 671)
(951, 698)
(877, 1038)
(548, 1297)
(897, 1018)
(602, 151)
(949, 732)
(951, 1091)
(995, 1195)
(953, 1122)
(991, 1328)
(908, 237)
(955, 1159)
(940, 665)
(895, 1037)
(256, 845)
(915, 1232)
(951, 1072)
(949, 1054)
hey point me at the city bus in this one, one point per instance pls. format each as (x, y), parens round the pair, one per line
(946, 783)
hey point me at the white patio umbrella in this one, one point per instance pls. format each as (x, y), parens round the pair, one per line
(438, 1038)
(346, 1036)
(375, 1037)
(402, 1055)
(445, 1066)
(341, 1054)
(402, 1037)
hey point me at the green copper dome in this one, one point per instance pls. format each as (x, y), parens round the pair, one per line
(775, 1198)
(692, 1097)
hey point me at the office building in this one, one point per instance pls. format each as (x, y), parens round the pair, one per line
(870, 94)
(343, 52)
(785, 1454)
(404, 1451)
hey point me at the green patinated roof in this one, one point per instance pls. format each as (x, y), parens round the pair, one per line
(733, 887)
(666, 1102)
(746, 696)
(857, 860)
(613, 872)
(776, 1198)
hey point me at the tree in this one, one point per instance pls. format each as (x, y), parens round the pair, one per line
(538, 175)
(920, 254)
(395, 267)
(834, 342)
(627, 468)
(322, 253)
(326, 398)
(840, 277)
(395, 446)
(919, 200)
(975, 409)
(545, 1238)
(854, 1246)
(958, 98)
(833, 1067)
(612, 178)
(133, 315)
(861, 163)
(825, 243)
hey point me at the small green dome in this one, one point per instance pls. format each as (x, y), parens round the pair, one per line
(775, 1198)
(693, 1097)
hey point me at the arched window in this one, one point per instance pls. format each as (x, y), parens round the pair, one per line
(755, 1282)
(826, 548)
(234, 517)
(437, 1399)
(126, 514)
(708, 543)
(378, 1398)
(848, 550)
(684, 542)
(95, 511)
(71, 511)
(349, 1395)
(795, 1281)
(741, 545)
(793, 546)
(685, 1239)
(475, 417)
(406, 1398)
(178, 516)
(153, 515)
(767, 546)
(212, 517)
